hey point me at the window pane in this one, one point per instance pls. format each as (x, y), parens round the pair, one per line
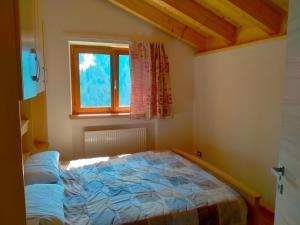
(28, 70)
(95, 80)
(124, 81)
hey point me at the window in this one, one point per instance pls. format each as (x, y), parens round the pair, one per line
(100, 79)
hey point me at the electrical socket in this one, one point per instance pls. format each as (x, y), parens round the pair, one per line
(199, 153)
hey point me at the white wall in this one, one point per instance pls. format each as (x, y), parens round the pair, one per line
(237, 112)
(98, 19)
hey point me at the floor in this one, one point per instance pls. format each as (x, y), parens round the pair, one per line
(266, 217)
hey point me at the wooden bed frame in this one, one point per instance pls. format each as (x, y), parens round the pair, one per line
(251, 197)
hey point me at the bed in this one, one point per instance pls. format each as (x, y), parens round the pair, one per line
(153, 188)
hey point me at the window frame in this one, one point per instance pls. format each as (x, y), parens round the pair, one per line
(114, 53)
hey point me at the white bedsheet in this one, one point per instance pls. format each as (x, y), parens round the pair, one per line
(44, 204)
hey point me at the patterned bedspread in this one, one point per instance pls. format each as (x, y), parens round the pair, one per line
(148, 188)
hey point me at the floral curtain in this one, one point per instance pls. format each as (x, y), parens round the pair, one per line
(150, 81)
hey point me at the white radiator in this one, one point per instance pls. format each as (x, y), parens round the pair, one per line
(115, 142)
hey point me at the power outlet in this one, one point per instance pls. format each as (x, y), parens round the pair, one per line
(199, 153)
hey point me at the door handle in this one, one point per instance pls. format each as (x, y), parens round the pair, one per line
(278, 172)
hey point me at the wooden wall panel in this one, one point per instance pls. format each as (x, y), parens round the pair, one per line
(12, 207)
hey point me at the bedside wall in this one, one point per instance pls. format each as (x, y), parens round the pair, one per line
(237, 112)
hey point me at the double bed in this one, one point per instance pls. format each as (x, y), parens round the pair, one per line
(153, 188)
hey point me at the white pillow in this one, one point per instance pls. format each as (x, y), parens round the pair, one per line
(44, 204)
(42, 168)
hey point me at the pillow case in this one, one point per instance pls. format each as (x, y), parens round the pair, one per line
(44, 204)
(42, 168)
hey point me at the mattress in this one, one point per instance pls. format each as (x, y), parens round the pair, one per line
(153, 188)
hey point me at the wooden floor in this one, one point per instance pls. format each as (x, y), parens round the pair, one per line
(266, 217)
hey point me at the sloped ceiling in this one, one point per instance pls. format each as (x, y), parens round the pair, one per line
(213, 24)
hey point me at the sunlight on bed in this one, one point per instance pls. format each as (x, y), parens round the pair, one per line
(123, 155)
(85, 162)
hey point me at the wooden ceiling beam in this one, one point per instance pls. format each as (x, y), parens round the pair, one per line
(202, 15)
(164, 22)
(264, 11)
(283, 4)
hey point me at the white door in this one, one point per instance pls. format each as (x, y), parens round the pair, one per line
(288, 200)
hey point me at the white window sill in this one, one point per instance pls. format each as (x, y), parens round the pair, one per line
(99, 116)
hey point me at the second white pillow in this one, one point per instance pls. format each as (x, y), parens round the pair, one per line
(42, 168)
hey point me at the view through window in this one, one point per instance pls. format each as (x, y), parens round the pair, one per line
(100, 79)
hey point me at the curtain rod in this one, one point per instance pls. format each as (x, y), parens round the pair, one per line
(100, 37)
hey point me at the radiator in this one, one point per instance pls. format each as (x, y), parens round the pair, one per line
(115, 142)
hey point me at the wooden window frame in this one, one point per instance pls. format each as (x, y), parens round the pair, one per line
(75, 50)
